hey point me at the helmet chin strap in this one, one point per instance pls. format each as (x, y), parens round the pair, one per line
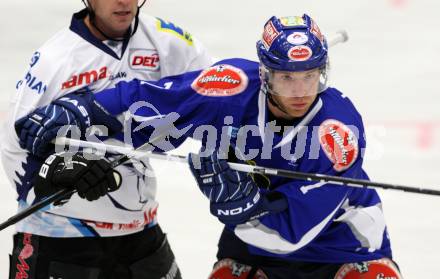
(264, 72)
(143, 2)
(128, 34)
(271, 99)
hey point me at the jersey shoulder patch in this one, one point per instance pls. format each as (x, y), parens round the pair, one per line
(221, 81)
(339, 143)
(169, 27)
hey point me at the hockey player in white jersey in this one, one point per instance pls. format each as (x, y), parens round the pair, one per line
(108, 231)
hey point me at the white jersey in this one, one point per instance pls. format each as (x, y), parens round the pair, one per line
(74, 59)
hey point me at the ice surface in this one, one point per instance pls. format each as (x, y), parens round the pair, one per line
(389, 68)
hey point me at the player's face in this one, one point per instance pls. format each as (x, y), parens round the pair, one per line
(295, 84)
(114, 17)
(295, 91)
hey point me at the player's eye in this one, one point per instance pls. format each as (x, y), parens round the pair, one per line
(286, 78)
(309, 76)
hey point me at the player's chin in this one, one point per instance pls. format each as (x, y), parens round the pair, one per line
(119, 29)
(297, 112)
(122, 23)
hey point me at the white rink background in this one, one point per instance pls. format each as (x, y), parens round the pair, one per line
(389, 68)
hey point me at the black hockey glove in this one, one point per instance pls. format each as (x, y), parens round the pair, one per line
(91, 178)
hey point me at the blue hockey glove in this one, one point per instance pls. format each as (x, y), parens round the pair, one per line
(91, 178)
(37, 129)
(234, 196)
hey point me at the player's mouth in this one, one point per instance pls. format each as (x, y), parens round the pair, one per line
(122, 14)
(298, 106)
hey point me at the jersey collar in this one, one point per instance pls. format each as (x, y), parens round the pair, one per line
(78, 26)
(262, 119)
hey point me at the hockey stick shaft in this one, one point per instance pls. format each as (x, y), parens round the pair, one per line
(340, 37)
(35, 207)
(66, 192)
(351, 182)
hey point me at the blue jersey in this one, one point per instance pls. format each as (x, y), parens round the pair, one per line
(224, 106)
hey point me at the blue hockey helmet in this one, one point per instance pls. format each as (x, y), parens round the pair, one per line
(292, 44)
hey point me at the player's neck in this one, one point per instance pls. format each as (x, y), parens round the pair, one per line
(93, 29)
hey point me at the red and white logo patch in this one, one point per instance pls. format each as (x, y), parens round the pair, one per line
(221, 81)
(300, 53)
(270, 33)
(27, 252)
(230, 269)
(339, 143)
(144, 59)
(297, 38)
(377, 269)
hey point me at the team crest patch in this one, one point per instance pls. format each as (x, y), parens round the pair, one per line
(169, 27)
(220, 81)
(377, 269)
(270, 33)
(297, 38)
(144, 59)
(291, 21)
(339, 144)
(300, 53)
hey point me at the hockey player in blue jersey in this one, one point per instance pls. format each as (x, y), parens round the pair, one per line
(277, 113)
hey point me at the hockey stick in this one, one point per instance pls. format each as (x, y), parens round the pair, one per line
(340, 37)
(346, 181)
(61, 194)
